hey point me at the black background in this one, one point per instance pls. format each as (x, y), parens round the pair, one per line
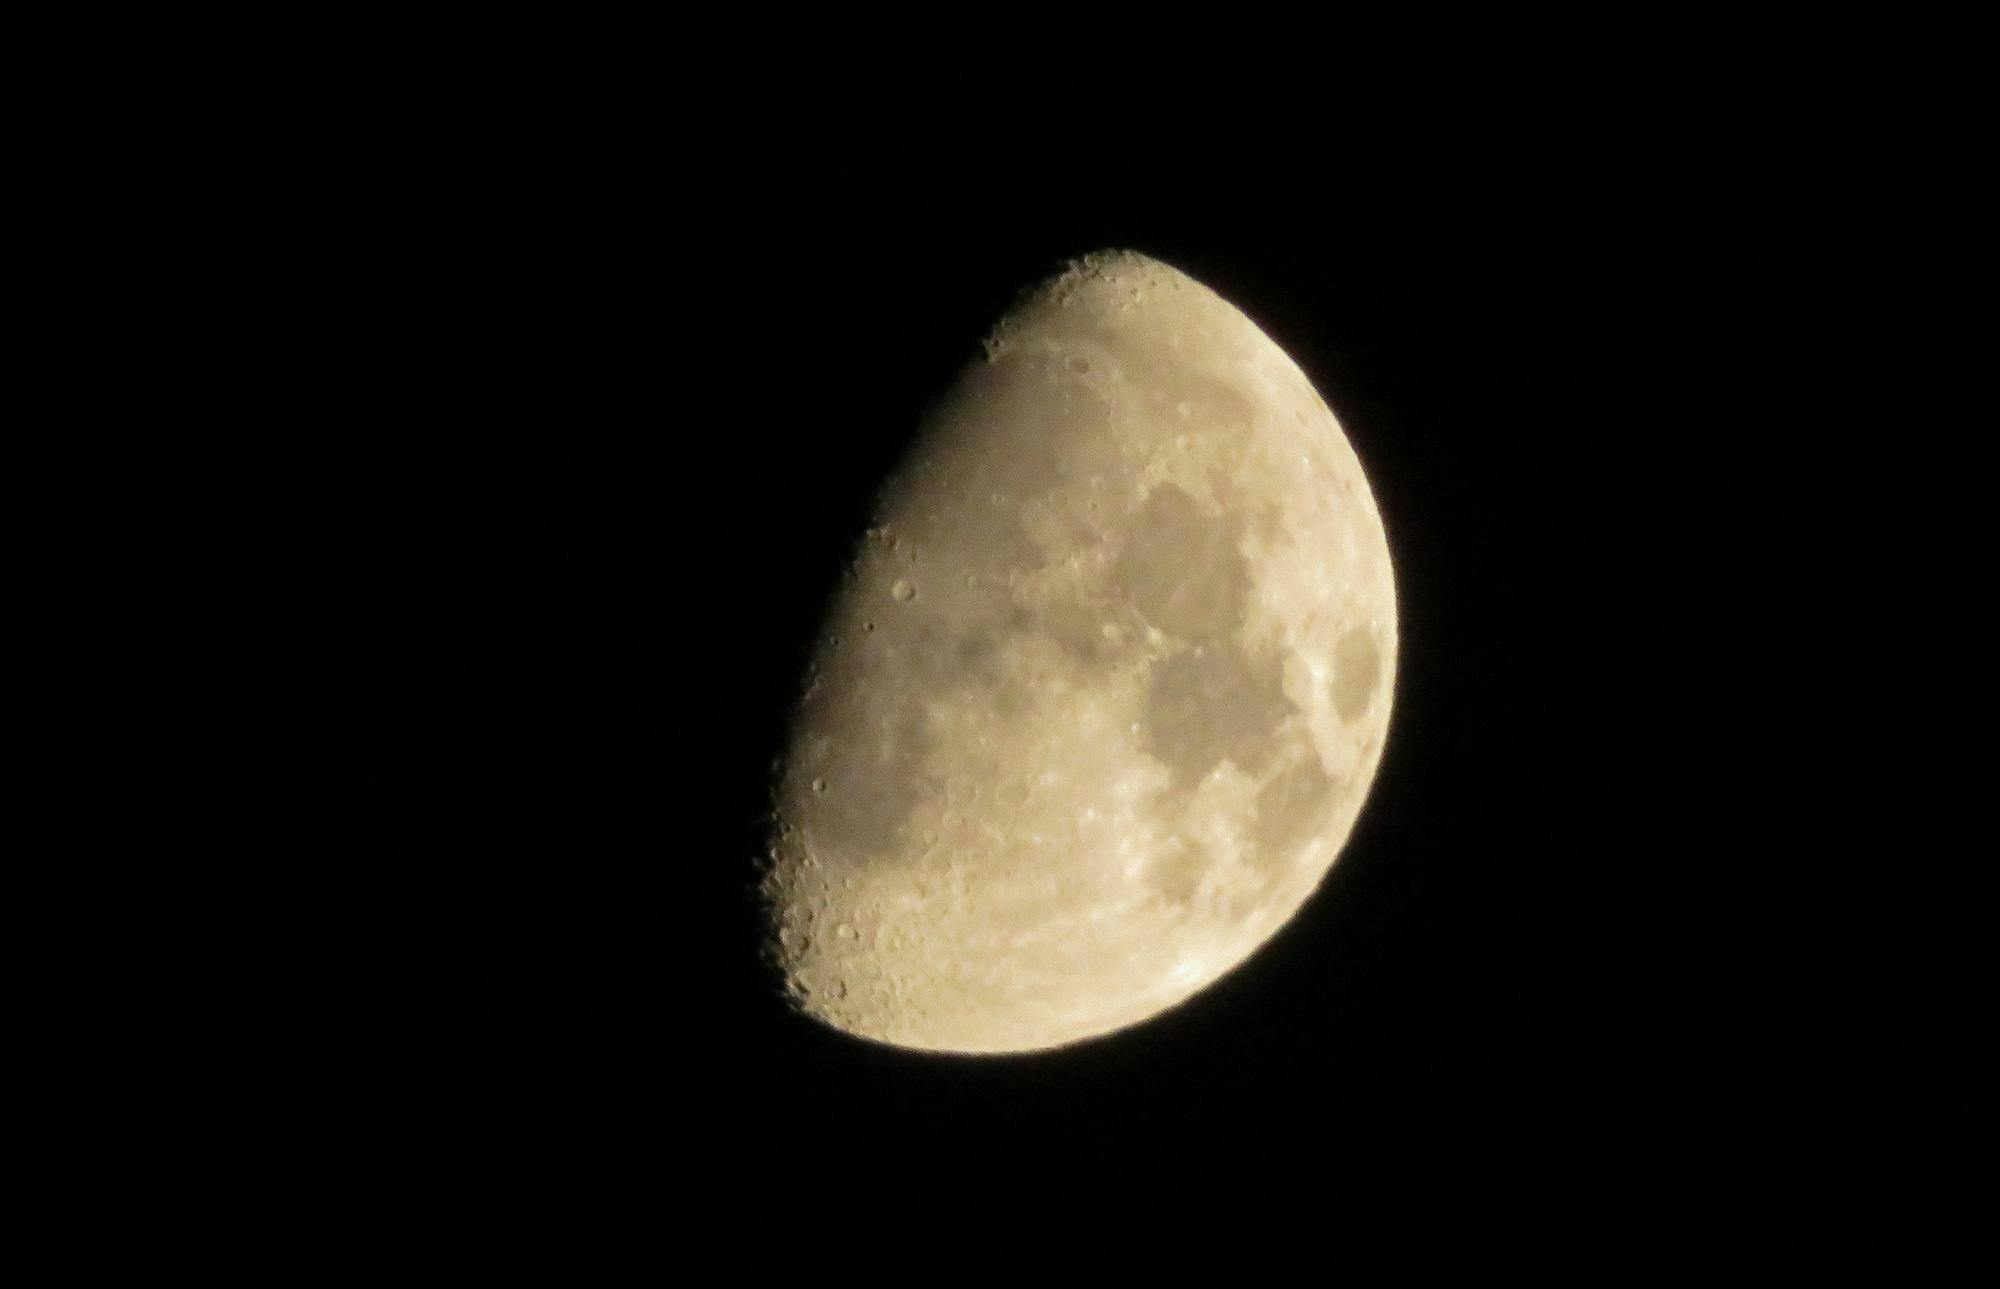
(613, 439)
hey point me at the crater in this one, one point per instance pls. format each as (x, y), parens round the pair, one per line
(1177, 871)
(874, 775)
(1292, 809)
(1357, 665)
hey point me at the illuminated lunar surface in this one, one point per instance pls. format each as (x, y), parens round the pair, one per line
(1100, 699)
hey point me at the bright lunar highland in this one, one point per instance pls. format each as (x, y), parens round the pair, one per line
(1099, 699)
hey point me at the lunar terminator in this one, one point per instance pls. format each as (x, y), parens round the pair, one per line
(1100, 702)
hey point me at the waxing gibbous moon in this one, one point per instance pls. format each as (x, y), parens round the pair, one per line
(1097, 704)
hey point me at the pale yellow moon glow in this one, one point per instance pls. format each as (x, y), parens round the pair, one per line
(1098, 704)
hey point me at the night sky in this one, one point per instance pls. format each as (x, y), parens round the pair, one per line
(628, 431)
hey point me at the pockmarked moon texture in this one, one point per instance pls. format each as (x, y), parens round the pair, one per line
(1099, 698)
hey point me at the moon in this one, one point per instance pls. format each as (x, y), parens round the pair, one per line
(1099, 697)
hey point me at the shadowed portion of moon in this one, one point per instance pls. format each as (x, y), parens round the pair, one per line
(1099, 700)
